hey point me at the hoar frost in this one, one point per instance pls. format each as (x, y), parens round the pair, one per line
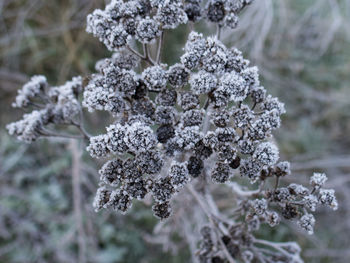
(207, 118)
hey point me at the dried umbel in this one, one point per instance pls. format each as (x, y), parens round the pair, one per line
(178, 128)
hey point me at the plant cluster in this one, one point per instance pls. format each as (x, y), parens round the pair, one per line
(204, 119)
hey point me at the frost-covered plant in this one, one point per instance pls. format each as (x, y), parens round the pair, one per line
(179, 129)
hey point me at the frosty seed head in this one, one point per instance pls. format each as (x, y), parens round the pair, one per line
(205, 117)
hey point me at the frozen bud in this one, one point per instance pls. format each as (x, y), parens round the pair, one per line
(307, 222)
(29, 128)
(178, 175)
(98, 146)
(272, 218)
(260, 206)
(266, 153)
(99, 24)
(162, 190)
(327, 197)
(150, 162)
(139, 119)
(226, 134)
(147, 30)
(120, 201)
(251, 169)
(165, 115)
(96, 94)
(246, 146)
(188, 100)
(216, 10)
(234, 86)
(117, 135)
(202, 150)
(220, 98)
(126, 82)
(112, 172)
(140, 90)
(162, 210)
(251, 76)
(171, 14)
(225, 152)
(117, 38)
(318, 180)
(115, 103)
(259, 129)
(145, 107)
(115, 9)
(195, 166)
(235, 61)
(101, 199)
(195, 44)
(203, 82)
(290, 211)
(193, 10)
(30, 90)
(192, 118)
(130, 8)
(242, 116)
(271, 104)
(188, 137)
(221, 173)
(136, 189)
(178, 75)
(231, 20)
(167, 97)
(190, 60)
(155, 3)
(220, 118)
(258, 94)
(130, 24)
(140, 137)
(125, 60)
(131, 170)
(297, 189)
(155, 78)
(210, 139)
(235, 163)
(282, 194)
(214, 57)
(310, 202)
(144, 7)
(172, 147)
(165, 132)
(282, 169)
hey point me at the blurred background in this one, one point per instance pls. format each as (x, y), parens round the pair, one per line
(302, 49)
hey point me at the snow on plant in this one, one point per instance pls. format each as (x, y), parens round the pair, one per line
(205, 120)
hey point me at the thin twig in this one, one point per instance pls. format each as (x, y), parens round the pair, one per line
(47, 133)
(218, 31)
(135, 52)
(213, 222)
(160, 47)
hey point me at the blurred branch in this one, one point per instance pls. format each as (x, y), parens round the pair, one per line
(329, 162)
(77, 198)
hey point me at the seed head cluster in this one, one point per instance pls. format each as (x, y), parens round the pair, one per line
(206, 118)
(54, 105)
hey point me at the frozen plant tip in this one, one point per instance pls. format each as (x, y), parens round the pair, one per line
(181, 131)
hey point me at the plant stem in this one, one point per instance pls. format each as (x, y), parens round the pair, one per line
(76, 181)
(160, 47)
